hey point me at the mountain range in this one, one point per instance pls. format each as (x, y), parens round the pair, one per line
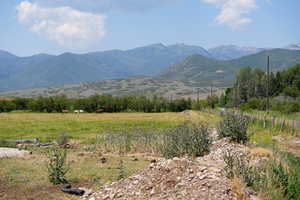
(198, 67)
(174, 62)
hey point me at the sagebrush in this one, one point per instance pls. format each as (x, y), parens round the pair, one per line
(235, 127)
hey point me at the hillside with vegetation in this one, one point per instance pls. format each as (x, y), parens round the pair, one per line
(48, 70)
(198, 67)
(174, 62)
(131, 86)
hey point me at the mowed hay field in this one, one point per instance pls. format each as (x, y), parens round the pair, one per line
(26, 178)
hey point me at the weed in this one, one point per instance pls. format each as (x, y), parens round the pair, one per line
(56, 165)
(121, 169)
(62, 139)
(187, 139)
(235, 127)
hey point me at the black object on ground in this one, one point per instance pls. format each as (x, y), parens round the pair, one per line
(68, 189)
(103, 160)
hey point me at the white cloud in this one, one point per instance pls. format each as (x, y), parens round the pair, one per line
(234, 13)
(66, 26)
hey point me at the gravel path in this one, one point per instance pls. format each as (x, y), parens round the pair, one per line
(12, 152)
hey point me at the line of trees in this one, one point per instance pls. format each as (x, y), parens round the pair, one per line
(93, 103)
(250, 90)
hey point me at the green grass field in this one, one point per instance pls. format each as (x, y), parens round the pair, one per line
(85, 126)
(26, 178)
(80, 127)
(277, 114)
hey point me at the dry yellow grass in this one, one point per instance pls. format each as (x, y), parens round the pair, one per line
(260, 152)
(239, 189)
(90, 116)
(28, 175)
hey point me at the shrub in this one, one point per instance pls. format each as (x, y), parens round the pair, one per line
(62, 139)
(239, 166)
(235, 127)
(186, 139)
(229, 160)
(245, 107)
(56, 165)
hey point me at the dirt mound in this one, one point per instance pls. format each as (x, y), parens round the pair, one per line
(179, 178)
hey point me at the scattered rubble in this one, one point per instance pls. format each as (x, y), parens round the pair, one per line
(178, 178)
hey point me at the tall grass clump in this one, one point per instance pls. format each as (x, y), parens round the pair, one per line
(239, 166)
(57, 167)
(62, 139)
(187, 139)
(277, 178)
(235, 127)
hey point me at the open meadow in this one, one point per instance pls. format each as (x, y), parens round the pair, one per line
(27, 177)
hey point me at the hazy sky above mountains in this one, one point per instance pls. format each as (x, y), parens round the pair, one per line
(55, 26)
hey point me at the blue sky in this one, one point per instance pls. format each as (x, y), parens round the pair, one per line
(57, 26)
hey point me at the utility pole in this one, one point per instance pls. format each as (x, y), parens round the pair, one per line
(268, 85)
(197, 105)
(211, 89)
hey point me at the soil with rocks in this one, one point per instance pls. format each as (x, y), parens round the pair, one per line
(177, 178)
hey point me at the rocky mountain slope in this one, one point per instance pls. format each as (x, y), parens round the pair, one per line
(135, 85)
(229, 52)
(198, 67)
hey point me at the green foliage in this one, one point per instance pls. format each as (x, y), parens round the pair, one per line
(250, 89)
(4, 143)
(90, 104)
(291, 91)
(229, 160)
(277, 178)
(212, 100)
(235, 127)
(56, 165)
(7, 106)
(187, 139)
(200, 105)
(62, 139)
(239, 165)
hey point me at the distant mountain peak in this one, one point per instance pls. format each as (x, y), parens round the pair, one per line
(295, 46)
(228, 52)
(157, 45)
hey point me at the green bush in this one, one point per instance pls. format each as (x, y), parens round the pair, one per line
(187, 139)
(62, 139)
(239, 165)
(56, 165)
(245, 107)
(235, 127)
